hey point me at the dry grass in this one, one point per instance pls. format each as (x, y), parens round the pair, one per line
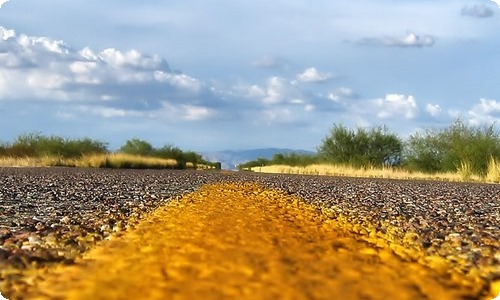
(204, 167)
(118, 160)
(493, 174)
(394, 173)
(124, 161)
(32, 161)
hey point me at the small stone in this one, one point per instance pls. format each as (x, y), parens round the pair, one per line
(65, 220)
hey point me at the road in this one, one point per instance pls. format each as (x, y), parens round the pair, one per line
(241, 241)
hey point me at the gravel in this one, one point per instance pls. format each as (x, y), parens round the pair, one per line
(52, 215)
(456, 221)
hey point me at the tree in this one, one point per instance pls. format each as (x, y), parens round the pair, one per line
(451, 148)
(361, 147)
(137, 147)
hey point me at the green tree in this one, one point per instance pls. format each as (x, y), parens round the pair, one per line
(137, 147)
(448, 149)
(360, 147)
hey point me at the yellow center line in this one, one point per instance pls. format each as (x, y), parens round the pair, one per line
(240, 241)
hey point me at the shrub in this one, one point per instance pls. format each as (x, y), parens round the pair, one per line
(362, 147)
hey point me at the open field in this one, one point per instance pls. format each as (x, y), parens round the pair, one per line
(50, 216)
(462, 175)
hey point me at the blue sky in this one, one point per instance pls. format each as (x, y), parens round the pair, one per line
(234, 74)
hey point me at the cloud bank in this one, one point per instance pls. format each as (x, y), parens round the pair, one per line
(110, 82)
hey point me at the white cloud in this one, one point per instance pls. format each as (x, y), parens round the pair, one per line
(395, 105)
(132, 58)
(340, 93)
(276, 90)
(487, 110)
(496, 2)
(477, 11)
(5, 33)
(312, 75)
(179, 80)
(196, 113)
(43, 43)
(40, 68)
(2, 2)
(255, 91)
(488, 106)
(100, 111)
(409, 40)
(433, 109)
(110, 112)
(46, 81)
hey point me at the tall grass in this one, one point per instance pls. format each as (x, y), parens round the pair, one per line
(371, 172)
(118, 161)
(465, 170)
(493, 174)
(125, 161)
(9, 161)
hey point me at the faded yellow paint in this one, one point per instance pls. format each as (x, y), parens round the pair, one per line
(240, 241)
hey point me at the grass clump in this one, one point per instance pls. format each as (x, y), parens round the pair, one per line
(493, 174)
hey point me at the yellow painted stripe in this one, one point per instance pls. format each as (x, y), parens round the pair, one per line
(240, 241)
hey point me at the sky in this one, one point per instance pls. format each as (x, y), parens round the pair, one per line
(235, 74)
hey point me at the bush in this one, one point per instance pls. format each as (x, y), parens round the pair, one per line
(294, 159)
(362, 147)
(467, 149)
(137, 147)
(37, 145)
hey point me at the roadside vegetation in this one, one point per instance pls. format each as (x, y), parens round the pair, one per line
(35, 149)
(458, 152)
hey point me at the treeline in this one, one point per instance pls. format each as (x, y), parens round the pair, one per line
(32, 145)
(459, 147)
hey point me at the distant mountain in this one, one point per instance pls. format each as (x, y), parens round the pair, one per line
(230, 159)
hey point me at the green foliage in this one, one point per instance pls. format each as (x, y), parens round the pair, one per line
(290, 159)
(259, 162)
(361, 147)
(137, 147)
(170, 151)
(294, 159)
(38, 145)
(466, 149)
